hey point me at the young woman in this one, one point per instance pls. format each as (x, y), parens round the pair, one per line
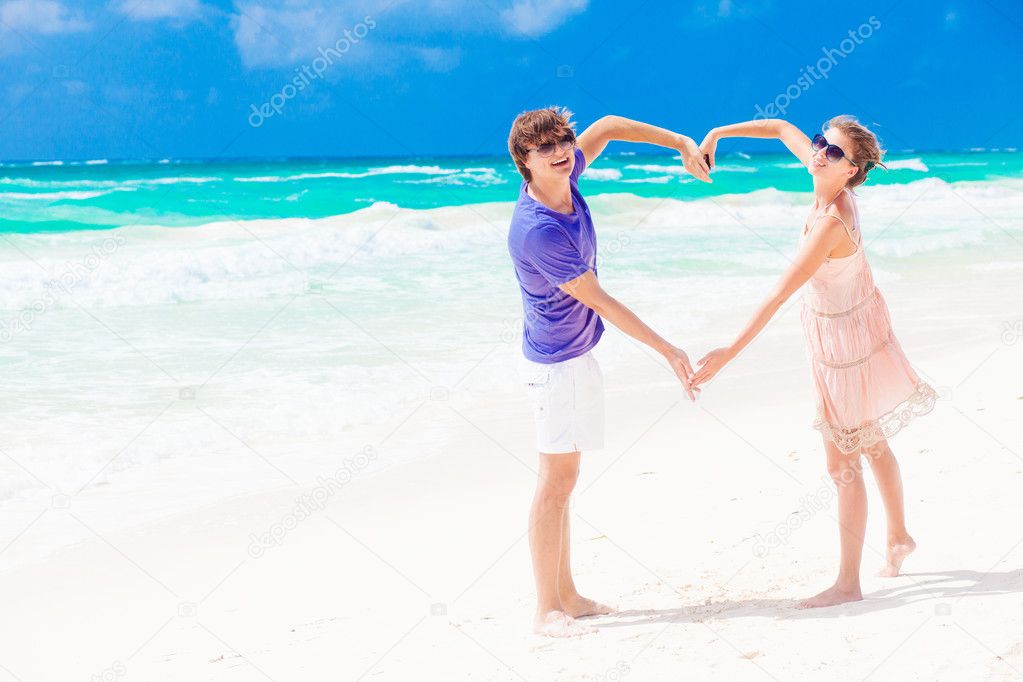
(866, 389)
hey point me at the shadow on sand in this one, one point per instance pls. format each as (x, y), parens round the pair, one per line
(913, 587)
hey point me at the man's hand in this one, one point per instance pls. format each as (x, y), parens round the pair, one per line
(709, 147)
(679, 362)
(692, 158)
(712, 363)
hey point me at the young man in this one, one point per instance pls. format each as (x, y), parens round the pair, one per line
(553, 247)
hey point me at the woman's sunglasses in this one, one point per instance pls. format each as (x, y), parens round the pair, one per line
(546, 150)
(834, 153)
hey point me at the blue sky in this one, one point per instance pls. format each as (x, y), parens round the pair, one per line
(180, 78)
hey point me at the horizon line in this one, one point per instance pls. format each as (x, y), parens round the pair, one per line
(56, 163)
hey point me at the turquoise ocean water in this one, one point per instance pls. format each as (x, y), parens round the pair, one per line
(184, 315)
(47, 197)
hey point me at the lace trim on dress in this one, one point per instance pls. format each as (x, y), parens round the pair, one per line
(873, 294)
(859, 361)
(919, 403)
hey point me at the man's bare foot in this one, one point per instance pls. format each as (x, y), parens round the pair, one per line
(560, 624)
(897, 553)
(832, 596)
(580, 607)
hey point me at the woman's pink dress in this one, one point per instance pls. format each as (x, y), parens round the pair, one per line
(866, 389)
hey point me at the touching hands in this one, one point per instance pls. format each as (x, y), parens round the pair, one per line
(679, 362)
(710, 364)
(708, 147)
(693, 159)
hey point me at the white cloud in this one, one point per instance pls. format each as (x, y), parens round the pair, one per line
(439, 59)
(43, 17)
(273, 33)
(725, 10)
(291, 33)
(154, 10)
(74, 87)
(536, 17)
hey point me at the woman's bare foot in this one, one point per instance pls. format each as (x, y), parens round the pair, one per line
(832, 596)
(560, 624)
(897, 553)
(580, 607)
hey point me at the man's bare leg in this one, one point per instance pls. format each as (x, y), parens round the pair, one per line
(889, 483)
(558, 474)
(847, 473)
(573, 603)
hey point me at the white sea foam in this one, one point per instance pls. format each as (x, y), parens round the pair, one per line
(223, 261)
(656, 180)
(59, 196)
(602, 174)
(97, 162)
(47, 163)
(104, 184)
(274, 287)
(172, 181)
(468, 176)
(657, 168)
(907, 164)
(680, 169)
(729, 168)
(383, 170)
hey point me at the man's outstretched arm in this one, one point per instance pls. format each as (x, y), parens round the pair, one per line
(587, 290)
(594, 139)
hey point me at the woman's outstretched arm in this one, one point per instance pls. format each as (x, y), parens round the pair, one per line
(826, 236)
(771, 128)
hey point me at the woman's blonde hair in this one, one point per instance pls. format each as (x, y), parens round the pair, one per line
(866, 151)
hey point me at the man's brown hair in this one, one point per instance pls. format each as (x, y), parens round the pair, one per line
(533, 128)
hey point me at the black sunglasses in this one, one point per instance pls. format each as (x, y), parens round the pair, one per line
(545, 150)
(834, 153)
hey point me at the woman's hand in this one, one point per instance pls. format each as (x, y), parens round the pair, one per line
(709, 147)
(712, 363)
(692, 158)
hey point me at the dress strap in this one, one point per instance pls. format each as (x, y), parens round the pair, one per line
(858, 239)
(849, 233)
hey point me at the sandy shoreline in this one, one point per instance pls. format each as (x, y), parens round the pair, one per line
(422, 571)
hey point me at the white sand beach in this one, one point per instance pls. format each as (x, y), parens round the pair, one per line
(701, 523)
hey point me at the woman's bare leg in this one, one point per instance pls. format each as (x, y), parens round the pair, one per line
(847, 474)
(889, 483)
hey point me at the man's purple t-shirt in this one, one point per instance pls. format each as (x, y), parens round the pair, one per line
(549, 248)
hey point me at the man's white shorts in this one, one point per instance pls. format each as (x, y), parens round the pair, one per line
(568, 403)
